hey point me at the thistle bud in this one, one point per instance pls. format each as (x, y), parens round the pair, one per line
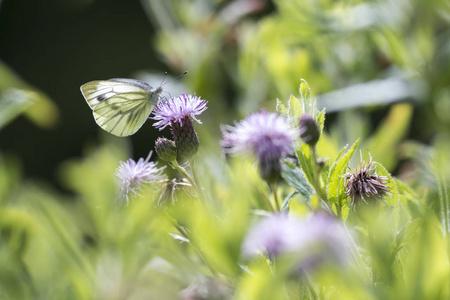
(186, 139)
(309, 130)
(166, 149)
(362, 186)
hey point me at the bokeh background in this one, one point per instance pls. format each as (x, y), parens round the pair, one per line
(55, 47)
(380, 68)
(361, 58)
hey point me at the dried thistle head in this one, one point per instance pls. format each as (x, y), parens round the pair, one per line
(173, 189)
(362, 185)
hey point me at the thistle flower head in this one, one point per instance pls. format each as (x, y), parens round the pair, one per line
(268, 136)
(273, 235)
(313, 239)
(178, 113)
(133, 175)
(362, 185)
(177, 109)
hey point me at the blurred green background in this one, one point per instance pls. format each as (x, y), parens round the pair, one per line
(381, 69)
(360, 57)
(56, 46)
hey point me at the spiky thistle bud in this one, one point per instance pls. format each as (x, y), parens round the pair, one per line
(185, 138)
(309, 130)
(173, 189)
(166, 149)
(362, 185)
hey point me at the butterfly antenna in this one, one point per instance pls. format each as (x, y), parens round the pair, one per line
(164, 78)
(184, 73)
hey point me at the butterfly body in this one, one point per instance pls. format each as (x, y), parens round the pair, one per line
(120, 106)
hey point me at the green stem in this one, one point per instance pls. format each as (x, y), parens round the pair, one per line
(316, 180)
(311, 289)
(196, 180)
(266, 200)
(357, 256)
(273, 188)
(183, 172)
(197, 249)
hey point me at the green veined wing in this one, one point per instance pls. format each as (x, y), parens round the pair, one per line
(120, 106)
(123, 114)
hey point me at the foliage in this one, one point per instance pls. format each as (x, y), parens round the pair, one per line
(185, 236)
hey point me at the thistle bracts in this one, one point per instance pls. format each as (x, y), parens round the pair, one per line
(178, 113)
(166, 149)
(186, 139)
(361, 185)
(309, 130)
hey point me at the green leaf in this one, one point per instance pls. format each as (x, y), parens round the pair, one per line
(321, 120)
(281, 108)
(305, 90)
(304, 158)
(392, 199)
(285, 206)
(336, 182)
(308, 104)
(295, 178)
(36, 106)
(179, 238)
(295, 111)
(444, 203)
(403, 237)
(405, 190)
(13, 102)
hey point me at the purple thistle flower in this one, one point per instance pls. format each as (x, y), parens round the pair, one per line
(273, 235)
(175, 110)
(312, 239)
(266, 135)
(132, 175)
(178, 113)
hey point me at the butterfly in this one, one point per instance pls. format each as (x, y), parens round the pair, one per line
(120, 106)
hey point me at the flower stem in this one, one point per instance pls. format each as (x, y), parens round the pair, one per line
(266, 200)
(197, 249)
(357, 256)
(183, 171)
(196, 181)
(273, 188)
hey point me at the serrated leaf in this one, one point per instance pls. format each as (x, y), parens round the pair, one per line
(405, 190)
(295, 110)
(308, 104)
(403, 237)
(285, 206)
(304, 158)
(305, 90)
(295, 177)
(393, 198)
(321, 120)
(335, 182)
(281, 108)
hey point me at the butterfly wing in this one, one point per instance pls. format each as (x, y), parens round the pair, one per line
(120, 106)
(97, 91)
(123, 114)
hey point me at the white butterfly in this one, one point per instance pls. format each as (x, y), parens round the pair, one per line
(120, 106)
